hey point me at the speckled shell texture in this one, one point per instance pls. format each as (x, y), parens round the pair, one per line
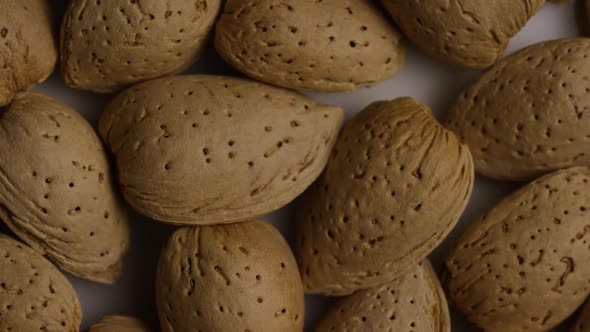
(34, 295)
(119, 324)
(107, 46)
(329, 45)
(238, 277)
(211, 149)
(469, 33)
(395, 185)
(55, 188)
(413, 302)
(523, 265)
(529, 114)
(28, 51)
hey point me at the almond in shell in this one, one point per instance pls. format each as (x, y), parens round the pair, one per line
(55, 188)
(395, 185)
(210, 149)
(523, 265)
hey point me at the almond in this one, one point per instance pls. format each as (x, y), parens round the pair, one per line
(329, 45)
(106, 46)
(55, 188)
(211, 149)
(238, 277)
(528, 115)
(413, 302)
(27, 48)
(467, 33)
(34, 295)
(522, 266)
(395, 185)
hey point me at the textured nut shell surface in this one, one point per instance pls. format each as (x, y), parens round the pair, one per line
(470, 33)
(523, 265)
(211, 149)
(329, 45)
(413, 302)
(107, 46)
(28, 51)
(528, 115)
(55, 188)
(34, 295)
(582, 324)
(119, 324)
(395, 185)
(237, 277)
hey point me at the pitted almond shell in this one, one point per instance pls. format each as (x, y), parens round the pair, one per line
(28, 51)
(107, 46)
(413, 302)
(466, 33)
(210, 149)
(328, 45)
(528, 115)
(237, 277)
(395, 186)
(55, 188)
(34, 295)
(522, 266)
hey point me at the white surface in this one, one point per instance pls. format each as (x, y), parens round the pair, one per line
(427, 80)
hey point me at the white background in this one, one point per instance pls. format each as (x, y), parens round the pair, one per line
(427, 80)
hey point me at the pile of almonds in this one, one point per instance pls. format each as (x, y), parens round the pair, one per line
(212, 154)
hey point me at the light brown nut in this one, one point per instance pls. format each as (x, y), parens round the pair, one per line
(329, 45)
(395, 185)
(27, 48)
(119, 324)
(34, 295)
(55, 188)
(523, 265)
(470, 33)
(528, 115)
(237, 277)
(413, 302)
(107, 46)
(582, 324)
(211, 149)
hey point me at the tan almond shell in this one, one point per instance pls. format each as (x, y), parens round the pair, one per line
(413, 302)
(210, 149)
(107, 46)
(28, 50)
(237, 277)
(395, 185)
(523, 265)
(34, 295)
(329, 45)
(119, 324)
(528, 115)
(55, 188)
(582, 323)
(466, 33)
